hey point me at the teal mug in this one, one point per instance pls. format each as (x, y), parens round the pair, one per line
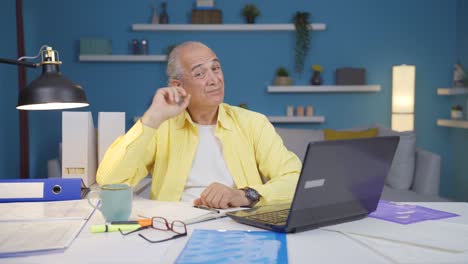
(116, 202)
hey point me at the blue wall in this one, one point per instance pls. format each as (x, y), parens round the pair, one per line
(459, 137)
(9, 118)
(375, 35)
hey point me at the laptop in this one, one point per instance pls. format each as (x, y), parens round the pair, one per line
(340, 181)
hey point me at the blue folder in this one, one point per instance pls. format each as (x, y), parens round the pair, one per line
(234, 246)
(41, 190)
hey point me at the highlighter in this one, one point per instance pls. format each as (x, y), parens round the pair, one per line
(113, 228)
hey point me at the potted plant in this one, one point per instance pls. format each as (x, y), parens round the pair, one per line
(303, 28)
(282, 77)
(250, 12)
(457, 112)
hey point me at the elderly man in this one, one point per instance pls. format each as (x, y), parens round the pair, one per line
(198, 148)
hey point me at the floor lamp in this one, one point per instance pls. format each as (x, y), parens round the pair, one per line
(403, 86)
(51, 90)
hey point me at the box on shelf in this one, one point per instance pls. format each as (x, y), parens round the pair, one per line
(214, 16)
(95, 46)
(350, 76)
(202, 4)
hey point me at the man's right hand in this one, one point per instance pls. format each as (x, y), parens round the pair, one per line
(167, 103)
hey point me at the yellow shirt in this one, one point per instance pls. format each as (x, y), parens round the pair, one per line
(250, 145)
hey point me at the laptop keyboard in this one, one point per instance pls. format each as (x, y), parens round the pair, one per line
(274, 217)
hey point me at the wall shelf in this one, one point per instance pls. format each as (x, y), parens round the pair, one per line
(123, 58)
(452, 123)
(452, 91)
(296, 119)
(324, 89)
(221, 27)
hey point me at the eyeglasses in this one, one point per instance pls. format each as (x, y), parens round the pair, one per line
(161, 223)
(200, 70)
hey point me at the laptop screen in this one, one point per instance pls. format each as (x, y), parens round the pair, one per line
(345, 176)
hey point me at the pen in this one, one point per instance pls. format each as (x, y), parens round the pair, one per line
(141, 222)
(206, 208)
(113, 228)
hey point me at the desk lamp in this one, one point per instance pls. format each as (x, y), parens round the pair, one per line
(50, 91)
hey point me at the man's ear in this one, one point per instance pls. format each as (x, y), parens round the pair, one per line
(175, 82)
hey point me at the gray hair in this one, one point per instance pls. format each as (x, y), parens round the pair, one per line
(174, 68)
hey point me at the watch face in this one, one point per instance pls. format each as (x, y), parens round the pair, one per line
(252, 195)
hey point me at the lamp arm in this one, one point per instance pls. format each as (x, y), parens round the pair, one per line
(17, 62)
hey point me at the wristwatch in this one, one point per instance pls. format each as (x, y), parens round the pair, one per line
(252, 195)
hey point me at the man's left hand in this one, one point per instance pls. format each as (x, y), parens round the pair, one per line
(218, 195)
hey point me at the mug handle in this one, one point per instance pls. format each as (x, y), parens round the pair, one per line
(98, 204)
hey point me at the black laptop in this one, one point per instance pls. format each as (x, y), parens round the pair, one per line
(340, 181)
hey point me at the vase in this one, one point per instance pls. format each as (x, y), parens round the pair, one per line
(282, 81)
(164, 17)
(154, 16)
(316, 79)
(250, 20)
(456, 114)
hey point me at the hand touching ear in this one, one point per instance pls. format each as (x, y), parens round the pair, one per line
(167, 103)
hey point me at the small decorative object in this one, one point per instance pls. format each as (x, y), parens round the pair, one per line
(144, 46)
(282, 77)
(309, 110)
(135, 48)
(300, 111)
(350, 76)
(250, 12)
(289, 110)
(316, 76)
(164, 17)
(457, 112)
(95, 46)
(154, 16)
(205, 4)
(459, 76)
(243, 105)
(303, 28)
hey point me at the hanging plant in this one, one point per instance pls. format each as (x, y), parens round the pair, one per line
(303, 28)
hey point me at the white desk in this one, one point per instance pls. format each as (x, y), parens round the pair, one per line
(314, 246)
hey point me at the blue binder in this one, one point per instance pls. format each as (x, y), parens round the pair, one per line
(41, 190)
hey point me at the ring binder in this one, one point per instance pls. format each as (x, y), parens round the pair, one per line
(41, 190)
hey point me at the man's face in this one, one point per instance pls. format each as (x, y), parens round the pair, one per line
(203, 77)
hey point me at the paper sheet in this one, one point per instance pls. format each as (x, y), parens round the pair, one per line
(24, 237)
(403, 213)
(430, 234)
(74, 209)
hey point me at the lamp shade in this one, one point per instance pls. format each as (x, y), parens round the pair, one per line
(51, 91)
(403, 89)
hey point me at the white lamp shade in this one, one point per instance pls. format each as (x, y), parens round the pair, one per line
(403, 89)
(403, 86)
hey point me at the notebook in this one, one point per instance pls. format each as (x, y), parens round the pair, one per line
(181, 211)
(340, 181)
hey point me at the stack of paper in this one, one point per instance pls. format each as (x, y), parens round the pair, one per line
(26, 225)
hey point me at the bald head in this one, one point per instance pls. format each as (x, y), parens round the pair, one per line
(174, 66)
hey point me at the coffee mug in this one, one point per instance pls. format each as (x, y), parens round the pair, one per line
(116, 202)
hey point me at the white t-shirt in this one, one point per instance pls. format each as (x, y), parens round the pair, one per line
(208, 165)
